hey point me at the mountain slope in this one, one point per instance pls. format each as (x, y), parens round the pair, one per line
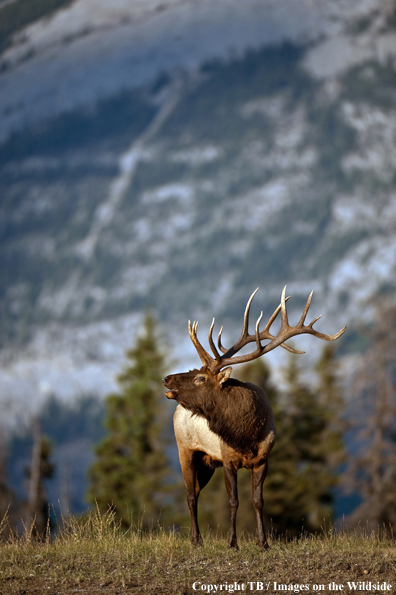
(186, 193)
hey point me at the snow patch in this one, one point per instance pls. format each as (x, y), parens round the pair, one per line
(272, 107)
(181, 192)
(377, 140)
(335, 56)
(352, 212)
(365, 268)
(197, 155)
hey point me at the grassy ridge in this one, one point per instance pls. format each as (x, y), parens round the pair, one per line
(94, 555)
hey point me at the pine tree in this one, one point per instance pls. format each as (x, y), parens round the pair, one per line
(372, 472)
(7, 496)
(41, 468)
(309, 447)
(332, 401)
(132, 471)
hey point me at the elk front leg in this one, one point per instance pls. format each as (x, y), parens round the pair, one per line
(196, 475)
(258, 477)
(190, 479)
(230, 478)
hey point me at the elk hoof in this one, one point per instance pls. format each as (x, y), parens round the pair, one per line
(197, 541)
(233, 543)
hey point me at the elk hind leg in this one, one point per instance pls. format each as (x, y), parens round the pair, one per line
(258, 477)
(205, 469)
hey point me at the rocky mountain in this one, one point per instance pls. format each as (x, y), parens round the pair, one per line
(176, 155)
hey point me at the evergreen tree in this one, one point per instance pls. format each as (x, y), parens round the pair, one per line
(309, 448)
(333, 406)
(132, 471)
(372, 472)
(40, 469)
(7, 496)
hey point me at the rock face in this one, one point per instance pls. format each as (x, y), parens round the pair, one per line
(174, 157)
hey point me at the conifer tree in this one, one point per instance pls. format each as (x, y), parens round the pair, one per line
(372, 471)
(332, 401)
(132, 471)
(40, 469)
(309, 447)
(7, 496)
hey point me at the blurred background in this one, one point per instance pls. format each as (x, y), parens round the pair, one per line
(159, 160)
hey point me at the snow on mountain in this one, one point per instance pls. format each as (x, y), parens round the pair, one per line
(175, 156)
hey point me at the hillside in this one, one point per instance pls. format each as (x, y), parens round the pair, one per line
(182, 193)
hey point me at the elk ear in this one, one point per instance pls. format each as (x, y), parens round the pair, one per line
(224, 375)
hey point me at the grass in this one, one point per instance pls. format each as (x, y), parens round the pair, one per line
(94, 554)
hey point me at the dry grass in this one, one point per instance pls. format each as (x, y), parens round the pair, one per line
(94, 555)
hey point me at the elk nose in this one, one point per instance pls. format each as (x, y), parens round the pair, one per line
(166, 379)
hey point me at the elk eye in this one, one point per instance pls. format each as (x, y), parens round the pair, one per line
(200, 379)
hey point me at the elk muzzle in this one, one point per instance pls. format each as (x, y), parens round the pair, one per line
(172, 392)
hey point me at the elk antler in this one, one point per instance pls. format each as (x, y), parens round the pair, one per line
(286, 332)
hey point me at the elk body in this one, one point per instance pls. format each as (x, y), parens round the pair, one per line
(222, 422)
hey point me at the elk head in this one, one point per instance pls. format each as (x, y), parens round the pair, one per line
(191, 389)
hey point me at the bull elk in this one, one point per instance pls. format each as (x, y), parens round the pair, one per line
(221, 421)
